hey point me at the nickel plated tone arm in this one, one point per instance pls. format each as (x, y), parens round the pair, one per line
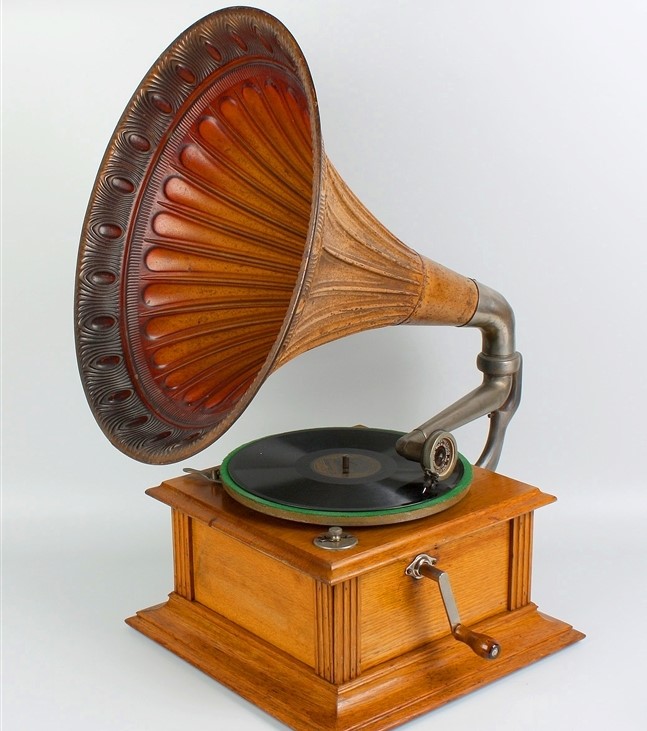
(498, 395)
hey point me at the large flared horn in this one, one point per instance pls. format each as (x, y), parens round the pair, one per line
(220, 242)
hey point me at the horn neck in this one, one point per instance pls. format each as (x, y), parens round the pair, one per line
(359, 276)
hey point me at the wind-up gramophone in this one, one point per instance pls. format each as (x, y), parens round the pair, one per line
(220, 243)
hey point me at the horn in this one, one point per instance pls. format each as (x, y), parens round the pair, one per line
(220, 242)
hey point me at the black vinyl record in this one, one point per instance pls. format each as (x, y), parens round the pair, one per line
(343, 470)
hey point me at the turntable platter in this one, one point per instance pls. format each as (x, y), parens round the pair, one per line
(350, 476)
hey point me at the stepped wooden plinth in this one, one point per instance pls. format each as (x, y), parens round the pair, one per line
(340, 640)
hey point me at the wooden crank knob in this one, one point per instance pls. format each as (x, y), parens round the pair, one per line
(481, 644)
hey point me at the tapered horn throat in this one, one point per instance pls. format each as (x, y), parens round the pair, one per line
(219, 243)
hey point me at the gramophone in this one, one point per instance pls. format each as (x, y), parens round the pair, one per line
(312, 568)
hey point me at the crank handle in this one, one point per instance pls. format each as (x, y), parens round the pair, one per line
(484, 646)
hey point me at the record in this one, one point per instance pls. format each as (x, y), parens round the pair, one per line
(351, 473)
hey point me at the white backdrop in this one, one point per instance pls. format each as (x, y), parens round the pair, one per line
(507, 140)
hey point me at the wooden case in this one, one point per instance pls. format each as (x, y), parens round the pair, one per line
(340, 640)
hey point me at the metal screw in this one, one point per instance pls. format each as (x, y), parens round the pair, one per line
(335, 539)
